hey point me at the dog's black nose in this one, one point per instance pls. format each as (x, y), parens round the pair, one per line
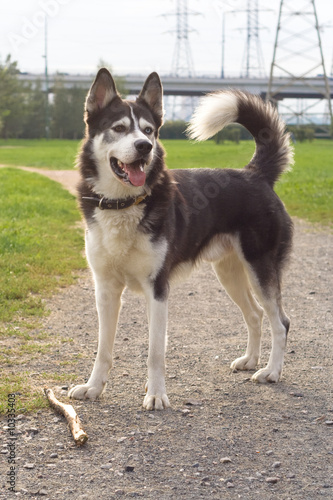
(143, 147)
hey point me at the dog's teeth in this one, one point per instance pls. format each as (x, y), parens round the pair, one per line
(141, 167)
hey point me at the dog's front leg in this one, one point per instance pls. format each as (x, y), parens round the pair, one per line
(108, 301)
(156, 397)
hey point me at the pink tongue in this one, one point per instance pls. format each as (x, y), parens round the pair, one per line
(135, 175)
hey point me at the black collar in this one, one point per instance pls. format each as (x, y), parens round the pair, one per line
(106, 204)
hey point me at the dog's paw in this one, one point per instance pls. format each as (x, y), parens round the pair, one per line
(244, 363)
(86, 391)
(156, 402)
(267, 374)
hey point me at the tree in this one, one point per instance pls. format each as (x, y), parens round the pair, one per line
(12, 101)
(67, 112)
(34, 123)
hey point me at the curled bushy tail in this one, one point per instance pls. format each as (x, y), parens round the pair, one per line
(273, 154)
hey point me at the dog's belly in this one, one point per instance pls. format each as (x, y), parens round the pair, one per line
(218, 248)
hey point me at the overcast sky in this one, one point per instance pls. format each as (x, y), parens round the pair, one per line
(135, 37)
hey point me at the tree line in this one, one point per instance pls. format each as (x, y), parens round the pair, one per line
(26, 111)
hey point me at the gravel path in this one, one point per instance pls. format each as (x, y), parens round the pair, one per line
(224, 437)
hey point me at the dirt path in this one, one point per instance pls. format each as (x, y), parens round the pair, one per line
(68, 178)
(224, 437)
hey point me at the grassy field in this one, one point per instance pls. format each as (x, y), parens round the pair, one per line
(41, 243)
(306, 191)
(53, 154)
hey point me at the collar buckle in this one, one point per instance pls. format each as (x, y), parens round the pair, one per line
(140, 199)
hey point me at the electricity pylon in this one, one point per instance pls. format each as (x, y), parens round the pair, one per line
(182, 62)
(298, 59)
(253, 60)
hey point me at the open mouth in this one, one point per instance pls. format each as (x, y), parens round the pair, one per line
(132, 173)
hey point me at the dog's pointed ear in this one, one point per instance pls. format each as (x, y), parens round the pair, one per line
(102, 91)
(152, 95)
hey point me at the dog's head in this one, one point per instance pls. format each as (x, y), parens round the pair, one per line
(122, 133)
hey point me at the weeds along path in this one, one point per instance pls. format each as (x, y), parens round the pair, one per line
(223, 437)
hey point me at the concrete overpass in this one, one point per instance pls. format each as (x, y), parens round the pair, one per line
(313, 88)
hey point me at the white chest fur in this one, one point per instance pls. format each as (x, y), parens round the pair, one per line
(116, 246)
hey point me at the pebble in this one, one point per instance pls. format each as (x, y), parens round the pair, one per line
(54, 455)
(60, 446)
(122, 439)
(230, 485)
(225, 460)
(29, 466)
(193, 402)
(106, 466)
(33, 430)
(297, 394)
(329, 422)
(186, 411)
(21, 417)
(276, 465)
(272, 480)
(129, 468)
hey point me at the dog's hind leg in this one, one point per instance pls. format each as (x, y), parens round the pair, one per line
(267, 289)
(230, 272)
(156, 397)
(108, 300)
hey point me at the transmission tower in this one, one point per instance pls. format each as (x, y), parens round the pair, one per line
(253, 60)
(298, 61)
(182, 62)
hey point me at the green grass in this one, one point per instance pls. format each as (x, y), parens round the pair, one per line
(53, 154)
(39, 244)
(307, 190)
(185, 154)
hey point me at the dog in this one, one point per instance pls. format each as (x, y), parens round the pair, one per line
(147, 226)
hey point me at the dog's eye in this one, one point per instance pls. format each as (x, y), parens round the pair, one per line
(119, 128)
(148, 130)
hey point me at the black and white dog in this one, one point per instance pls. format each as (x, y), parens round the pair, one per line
(147, 225)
